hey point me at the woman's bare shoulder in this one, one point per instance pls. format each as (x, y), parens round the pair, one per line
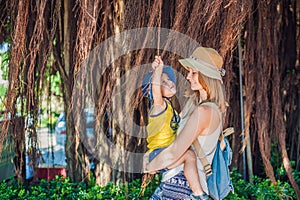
(209, 116)
(206, 113)
(201, 116)
(205, 109)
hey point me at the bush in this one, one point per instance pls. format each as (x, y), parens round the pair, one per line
(62, 188)
(260, 189)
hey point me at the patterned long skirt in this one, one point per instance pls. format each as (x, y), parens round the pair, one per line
(176, 187)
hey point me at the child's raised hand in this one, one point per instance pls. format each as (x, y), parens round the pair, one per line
(157, 62)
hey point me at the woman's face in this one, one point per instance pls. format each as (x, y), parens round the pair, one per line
(168, 88)
(193, 78)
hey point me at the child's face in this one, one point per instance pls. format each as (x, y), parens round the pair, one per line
(168, 88)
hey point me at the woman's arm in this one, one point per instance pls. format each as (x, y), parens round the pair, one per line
(199, 123)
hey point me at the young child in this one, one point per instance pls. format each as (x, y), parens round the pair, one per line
(163, 120)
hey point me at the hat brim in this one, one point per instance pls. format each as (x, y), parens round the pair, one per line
(191, 63)
(188, 63)
(170, 72)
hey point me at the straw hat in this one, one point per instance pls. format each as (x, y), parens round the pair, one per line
(207, 61)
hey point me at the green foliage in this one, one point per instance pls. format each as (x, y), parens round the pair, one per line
(62, 188)
(51, 93)
(56, 84)
(53, 99)
(296, 175)
(47, 120)
(3, 90)
(260, 189)
(4, 61)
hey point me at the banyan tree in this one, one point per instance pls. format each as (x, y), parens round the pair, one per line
(259, 39)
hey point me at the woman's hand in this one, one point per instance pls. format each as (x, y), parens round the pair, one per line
(147, 171)
(157, 63)
(150, 172)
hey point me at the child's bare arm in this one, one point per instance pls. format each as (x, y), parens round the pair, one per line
(158, 102)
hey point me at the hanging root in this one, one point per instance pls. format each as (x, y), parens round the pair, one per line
(147, 178)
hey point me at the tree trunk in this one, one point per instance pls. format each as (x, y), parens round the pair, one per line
(249, 89)
(108, 167)
(17, 131)
(17, 54)
(278, 96)
(291, 83)
(75, 155)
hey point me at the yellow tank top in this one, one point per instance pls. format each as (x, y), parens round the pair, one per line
(160, 133)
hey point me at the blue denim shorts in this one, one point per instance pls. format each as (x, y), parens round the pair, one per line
(153, 154)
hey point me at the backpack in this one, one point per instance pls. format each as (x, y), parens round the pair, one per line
(219, 182)
(217, 174)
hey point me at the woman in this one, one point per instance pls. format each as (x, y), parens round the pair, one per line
(200, 121)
